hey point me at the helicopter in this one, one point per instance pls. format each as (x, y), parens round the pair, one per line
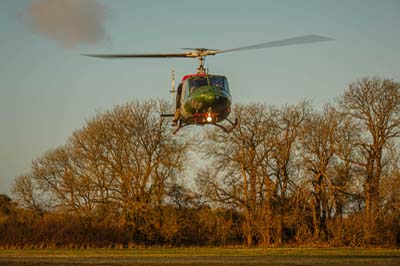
(203, 98)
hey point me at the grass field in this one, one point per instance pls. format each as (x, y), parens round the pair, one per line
(201, 256)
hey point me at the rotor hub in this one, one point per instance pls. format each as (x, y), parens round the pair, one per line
(201, 54)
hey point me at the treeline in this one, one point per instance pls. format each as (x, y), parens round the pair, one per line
(288, 175)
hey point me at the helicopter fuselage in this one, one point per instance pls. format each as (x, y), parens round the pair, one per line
(203, 99)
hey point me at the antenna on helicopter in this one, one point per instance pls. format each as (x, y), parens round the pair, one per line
(173, 91)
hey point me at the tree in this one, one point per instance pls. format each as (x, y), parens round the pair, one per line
(121, 163)
(5, 203)
(374, 104)
(287, 174)
(389, 211)
(28, 194)
(318, 141)
(239, 176)
(288, 122)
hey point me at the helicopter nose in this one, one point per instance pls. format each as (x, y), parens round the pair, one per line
(211, 98)
(196, 104)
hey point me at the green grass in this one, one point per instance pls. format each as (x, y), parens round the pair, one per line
(201, 256)
(203, 252)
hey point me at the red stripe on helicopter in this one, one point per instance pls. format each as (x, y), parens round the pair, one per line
(192, 75)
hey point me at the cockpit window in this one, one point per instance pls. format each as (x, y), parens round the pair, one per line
(220, 82)
(197, 82)
(216, 81)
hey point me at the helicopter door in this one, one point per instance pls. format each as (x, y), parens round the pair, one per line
(178, 96)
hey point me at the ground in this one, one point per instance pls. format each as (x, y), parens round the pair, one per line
(200, 256)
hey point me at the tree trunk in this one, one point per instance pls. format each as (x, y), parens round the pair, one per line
(368, 225)
(267, 213)
(317, 205)
(248, 228)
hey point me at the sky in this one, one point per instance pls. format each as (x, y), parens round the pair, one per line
(48, 89)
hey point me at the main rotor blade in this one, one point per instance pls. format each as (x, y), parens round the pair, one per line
(283, 42)
(110, 56)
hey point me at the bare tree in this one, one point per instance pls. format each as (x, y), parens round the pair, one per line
(121, 162)
(289, 122)
(54, 172)
(28, 194)
(374, 103)
(254, 166)
(284, 174)
(318, 145)
(239, 161)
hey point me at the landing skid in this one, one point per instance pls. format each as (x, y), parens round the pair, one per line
(181, 123)
(227, 129)
(196, 120)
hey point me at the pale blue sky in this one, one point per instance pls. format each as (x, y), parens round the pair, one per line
(47, 92)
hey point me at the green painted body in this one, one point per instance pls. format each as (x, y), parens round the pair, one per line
(210, 99)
